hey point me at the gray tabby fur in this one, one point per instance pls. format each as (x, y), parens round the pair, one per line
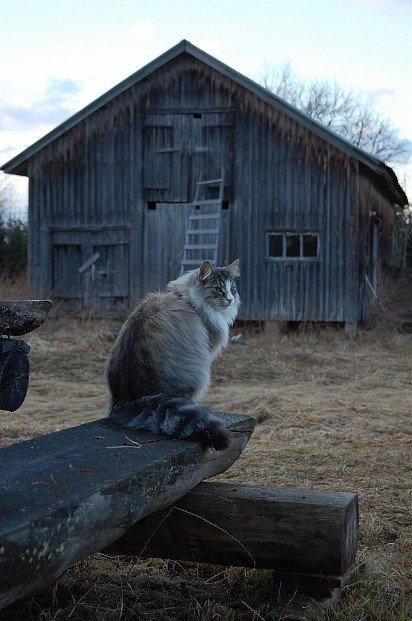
(160, 362)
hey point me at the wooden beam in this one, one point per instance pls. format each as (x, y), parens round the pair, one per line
(71, 493)
(300, 532)
(23, 316)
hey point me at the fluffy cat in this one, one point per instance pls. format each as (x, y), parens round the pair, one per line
(160, 362)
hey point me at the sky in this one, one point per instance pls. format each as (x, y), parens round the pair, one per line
(56, 56)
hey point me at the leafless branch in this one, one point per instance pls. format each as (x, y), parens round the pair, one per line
(346, 112)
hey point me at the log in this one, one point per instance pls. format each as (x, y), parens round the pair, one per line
(23, 316)
(71, 493)
(294, 532)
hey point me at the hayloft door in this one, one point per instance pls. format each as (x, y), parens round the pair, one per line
(211, 148)
(165, 158)
(178, 147)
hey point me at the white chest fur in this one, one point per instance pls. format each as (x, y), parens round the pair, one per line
(219, 320)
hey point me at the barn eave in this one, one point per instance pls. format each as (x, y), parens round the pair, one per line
(19, 164)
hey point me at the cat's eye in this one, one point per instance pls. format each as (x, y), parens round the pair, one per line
(233, 288)
(217, 289)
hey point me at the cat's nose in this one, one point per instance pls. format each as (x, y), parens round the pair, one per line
(229, 300)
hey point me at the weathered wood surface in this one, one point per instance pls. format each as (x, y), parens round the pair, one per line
(71, 493)
(291, 531)
(23, 316)
(284, 173)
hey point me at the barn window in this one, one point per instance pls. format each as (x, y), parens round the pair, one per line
(293, 246)
(285, 245)
(275, 243)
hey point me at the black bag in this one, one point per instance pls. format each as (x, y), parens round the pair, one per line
(14, 373)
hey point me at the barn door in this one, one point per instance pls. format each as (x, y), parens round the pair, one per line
(178, 147)
(90, 269)
(165, 158)
(164, 236)
(211, 149)
(110, 275)
(67, 282)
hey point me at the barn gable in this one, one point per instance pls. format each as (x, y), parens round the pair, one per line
(17, 164)
(111, 192)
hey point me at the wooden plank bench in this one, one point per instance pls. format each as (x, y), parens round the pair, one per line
(71, 493)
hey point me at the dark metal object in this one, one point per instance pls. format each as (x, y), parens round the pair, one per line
(14, 373)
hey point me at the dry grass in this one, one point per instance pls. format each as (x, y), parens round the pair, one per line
(332, 413)
(14, 289)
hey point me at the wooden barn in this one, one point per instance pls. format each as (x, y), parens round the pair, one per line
(115, 197)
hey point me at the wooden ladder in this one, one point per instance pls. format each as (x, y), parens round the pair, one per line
(202, 233)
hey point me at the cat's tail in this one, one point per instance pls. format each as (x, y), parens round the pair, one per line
(175, 417)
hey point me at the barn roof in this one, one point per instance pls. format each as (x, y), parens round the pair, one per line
(18, 165)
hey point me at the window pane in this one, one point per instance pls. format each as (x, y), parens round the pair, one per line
(310, 245)
(293, 245)
(275, 245)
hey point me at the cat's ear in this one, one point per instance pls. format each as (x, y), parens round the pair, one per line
(205, 271)
(233, 269)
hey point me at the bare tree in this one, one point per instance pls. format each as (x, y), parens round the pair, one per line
(13, 233)
(347, 113)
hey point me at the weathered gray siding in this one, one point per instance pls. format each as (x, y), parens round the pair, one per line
(94, 189)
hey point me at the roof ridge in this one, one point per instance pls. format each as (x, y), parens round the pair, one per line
(185, 46)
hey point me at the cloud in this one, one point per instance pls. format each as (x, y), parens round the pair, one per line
(61, 88)
(7, 149)
(366, 1)
(142, 32)
(57, 102)
(378, 93)
(211, 45)
(23, 117)
(405, 3)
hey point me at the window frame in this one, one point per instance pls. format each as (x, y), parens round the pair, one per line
(291, 232)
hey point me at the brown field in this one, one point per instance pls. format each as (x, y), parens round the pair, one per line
(332, 413)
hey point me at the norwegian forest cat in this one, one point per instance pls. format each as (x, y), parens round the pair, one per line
(160, 362)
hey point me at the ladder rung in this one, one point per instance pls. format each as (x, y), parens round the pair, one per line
(216, 215)
(203, 232)
(200, 247)
(205, 217)
(211, 182)
(211, 201)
